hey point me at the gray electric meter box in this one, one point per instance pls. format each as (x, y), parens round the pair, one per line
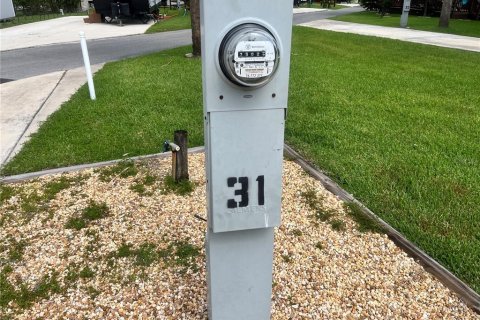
(245, 69)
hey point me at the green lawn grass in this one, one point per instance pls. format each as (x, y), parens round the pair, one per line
(397, 124)
(177, 21)
(456, 26)
(22, 19)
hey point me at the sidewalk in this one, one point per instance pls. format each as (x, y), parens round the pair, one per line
(25, 105)
(63, 30)
(417, 36)
(306, 10)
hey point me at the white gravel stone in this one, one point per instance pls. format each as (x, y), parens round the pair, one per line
(350, 275)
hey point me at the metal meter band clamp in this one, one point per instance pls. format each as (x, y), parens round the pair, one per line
(249, 55)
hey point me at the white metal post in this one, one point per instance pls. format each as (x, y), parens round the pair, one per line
(405, 11)
(86, 61)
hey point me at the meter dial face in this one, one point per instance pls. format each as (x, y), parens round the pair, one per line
(254, 59)
(249, 55)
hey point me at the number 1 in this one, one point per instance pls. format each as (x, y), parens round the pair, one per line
(261, 190)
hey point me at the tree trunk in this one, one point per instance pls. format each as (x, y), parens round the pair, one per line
(445, 13)
(196, 41)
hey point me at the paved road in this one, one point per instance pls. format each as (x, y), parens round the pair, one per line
(28, 62)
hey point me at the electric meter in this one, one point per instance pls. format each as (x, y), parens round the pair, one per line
(249, 55)
(245, 96)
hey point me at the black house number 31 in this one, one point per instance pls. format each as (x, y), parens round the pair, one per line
(243, 191)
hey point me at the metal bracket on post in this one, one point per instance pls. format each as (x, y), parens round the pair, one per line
(173, 147)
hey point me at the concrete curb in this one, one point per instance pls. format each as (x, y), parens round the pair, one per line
(470, 297)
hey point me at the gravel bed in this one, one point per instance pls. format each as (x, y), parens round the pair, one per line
(144, 258)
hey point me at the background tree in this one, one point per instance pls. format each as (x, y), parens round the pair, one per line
(445, 14)
(29, 7)
(381, 6)
(196, 40)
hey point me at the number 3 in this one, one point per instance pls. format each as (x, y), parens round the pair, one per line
(243, 191)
